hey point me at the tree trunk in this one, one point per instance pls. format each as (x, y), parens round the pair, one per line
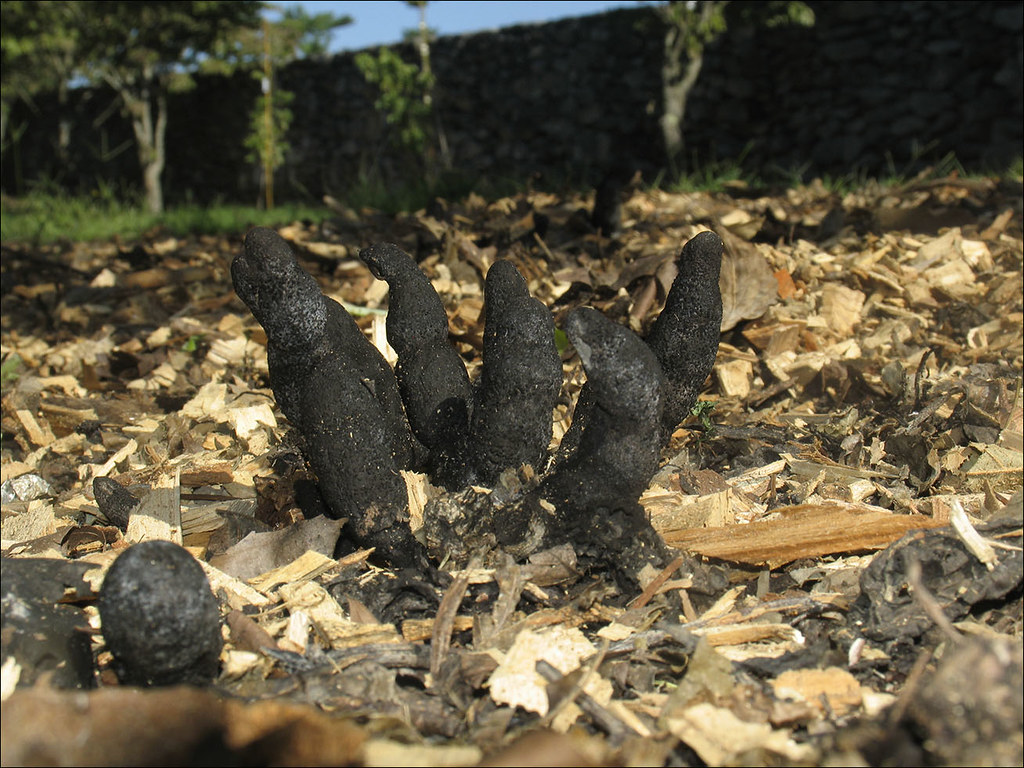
(679, 72)
(5, 112)
(149, 136)
(63, 126)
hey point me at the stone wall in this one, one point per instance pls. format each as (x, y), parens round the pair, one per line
(875, 86)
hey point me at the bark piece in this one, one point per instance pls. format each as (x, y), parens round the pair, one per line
(158, 515)
(520, 380)
(431, 376)
(116, 503)
(803, 530)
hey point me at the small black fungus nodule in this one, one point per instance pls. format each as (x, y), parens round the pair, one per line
(159, 618)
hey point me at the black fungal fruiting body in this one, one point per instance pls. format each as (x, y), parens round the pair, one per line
(519, 381)
(431, 376)
(637, 391)
(591, 498)
(684, 339)
(685, 335)
(333, 386)
(303, 326)
(619, 448)
(159, 618)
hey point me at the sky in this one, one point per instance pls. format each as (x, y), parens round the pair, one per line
(380, 22)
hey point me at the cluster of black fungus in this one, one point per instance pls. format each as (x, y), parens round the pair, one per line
(361, 423)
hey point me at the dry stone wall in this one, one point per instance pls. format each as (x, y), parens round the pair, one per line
(876, 86)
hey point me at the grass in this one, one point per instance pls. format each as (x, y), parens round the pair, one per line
(719, 176)
(45, 216)
(48, 214)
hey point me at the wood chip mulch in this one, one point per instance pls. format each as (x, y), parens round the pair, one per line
(850, 496)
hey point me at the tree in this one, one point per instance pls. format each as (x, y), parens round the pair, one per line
(296, 35)
(39, 51)
(406, 94)
(422, 36)
(690, 26)
(146, 50)
(401, 87)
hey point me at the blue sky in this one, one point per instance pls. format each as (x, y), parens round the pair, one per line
(379, 22)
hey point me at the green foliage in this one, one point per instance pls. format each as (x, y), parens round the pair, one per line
(715, 176)
(266, 143)
(308, 35)
(141, 50)
(39, 43)
(702, 410)
(192, 343)
(697, 23)
(296, 35)
(159, 44)
(10, 370)
(401, 91)
(561, 341)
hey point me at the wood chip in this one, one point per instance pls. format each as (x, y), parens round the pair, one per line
(803, 530)
(158, 516)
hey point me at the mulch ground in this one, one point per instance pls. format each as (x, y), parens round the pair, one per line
(847, 505)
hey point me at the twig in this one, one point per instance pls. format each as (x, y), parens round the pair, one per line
(928, 603)
(603, 718)
(544, 247)
(444, 622)
(656, 583)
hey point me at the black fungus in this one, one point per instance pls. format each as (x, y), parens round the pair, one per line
(685, 335)
(635, 394)
(684, 339)
(431, 376)
(159, 617)
(304, 327)
(337, 390)
(619, 447)
(592, 498)
(519, 381)
(116, 503)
